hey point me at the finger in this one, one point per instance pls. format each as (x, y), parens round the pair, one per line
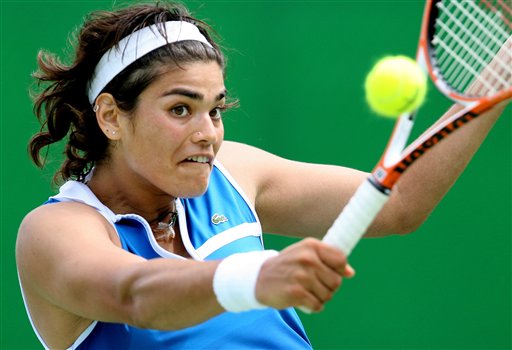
(322, 282)
(328, 278)
(324, 266)
(314, 300)
(349, 271)
(332, 257)
(307, 301)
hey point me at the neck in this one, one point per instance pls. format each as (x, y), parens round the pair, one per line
(123, 195)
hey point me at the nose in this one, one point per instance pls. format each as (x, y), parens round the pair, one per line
(207, 131)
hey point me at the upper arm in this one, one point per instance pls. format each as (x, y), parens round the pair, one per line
(66, 255)
(293, 198)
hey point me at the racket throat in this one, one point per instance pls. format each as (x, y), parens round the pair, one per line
(398, 140)
(378, 186)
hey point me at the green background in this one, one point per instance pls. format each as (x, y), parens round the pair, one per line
(298, 68)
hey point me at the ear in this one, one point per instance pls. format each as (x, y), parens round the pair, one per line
(108, 115)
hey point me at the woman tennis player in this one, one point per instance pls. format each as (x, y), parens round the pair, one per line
(155, 238)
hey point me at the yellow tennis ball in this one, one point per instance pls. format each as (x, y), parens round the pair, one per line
(395, 85)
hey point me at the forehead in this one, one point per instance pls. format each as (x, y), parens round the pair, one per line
(203, 77)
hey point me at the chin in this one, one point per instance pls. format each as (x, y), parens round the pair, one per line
(191, 194)
(197, 190)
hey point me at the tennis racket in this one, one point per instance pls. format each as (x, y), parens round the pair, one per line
(465, 46)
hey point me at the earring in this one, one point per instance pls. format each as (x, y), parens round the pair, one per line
(114, 132)
(95, 108)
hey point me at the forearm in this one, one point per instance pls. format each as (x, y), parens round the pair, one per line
(169, 294)
(305, 274)
(426, 182)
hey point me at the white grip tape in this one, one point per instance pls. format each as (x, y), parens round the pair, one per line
(358, 214)
(234, 282)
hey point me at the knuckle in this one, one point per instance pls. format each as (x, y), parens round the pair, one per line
(311, 243)
(339, 259)
(309, 240)
(296, 293)
(307, 258)
(340, 264)
(301, 277)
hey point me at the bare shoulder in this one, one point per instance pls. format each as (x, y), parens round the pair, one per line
(55, 210)
(56, 219)
(56, 228)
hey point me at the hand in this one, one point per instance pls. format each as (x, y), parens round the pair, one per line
(306, 274)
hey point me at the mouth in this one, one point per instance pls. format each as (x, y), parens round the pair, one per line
(200, 160)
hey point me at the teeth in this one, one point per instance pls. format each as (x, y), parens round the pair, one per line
(199, 159)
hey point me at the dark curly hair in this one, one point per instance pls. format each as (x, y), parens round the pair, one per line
(63, 107)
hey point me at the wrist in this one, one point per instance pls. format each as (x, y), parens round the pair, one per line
(234, 281)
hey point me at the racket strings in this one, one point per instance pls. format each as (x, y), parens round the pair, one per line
(472, 45)
(469, 52)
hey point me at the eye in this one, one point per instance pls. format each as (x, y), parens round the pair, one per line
(180, 111)
(216, 113)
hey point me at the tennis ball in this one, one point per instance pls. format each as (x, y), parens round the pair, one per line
(395, 85)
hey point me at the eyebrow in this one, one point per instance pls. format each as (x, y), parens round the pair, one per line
(192, 94)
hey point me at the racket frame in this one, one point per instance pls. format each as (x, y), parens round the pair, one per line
(361, 210)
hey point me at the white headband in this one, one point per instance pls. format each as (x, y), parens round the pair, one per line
(128, 51)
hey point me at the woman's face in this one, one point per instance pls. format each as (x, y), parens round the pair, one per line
(168, 144)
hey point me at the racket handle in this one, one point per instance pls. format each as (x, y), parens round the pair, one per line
(352, 223)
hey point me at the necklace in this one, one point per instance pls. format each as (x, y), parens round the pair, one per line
(165, 227)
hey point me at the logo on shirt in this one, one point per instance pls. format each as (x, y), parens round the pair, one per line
(218, 219)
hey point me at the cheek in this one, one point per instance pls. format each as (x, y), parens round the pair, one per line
(150, 145)
(220, 134)
(156, 133)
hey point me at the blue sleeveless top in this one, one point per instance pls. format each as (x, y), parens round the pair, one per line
(219, 223)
